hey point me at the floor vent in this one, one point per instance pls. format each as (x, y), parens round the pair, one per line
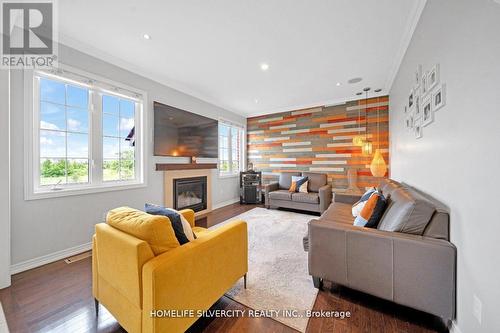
(78, 257)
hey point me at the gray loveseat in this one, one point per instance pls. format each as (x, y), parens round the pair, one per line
(408, 259)
(317, 200)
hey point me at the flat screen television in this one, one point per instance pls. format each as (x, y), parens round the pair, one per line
(184, 134)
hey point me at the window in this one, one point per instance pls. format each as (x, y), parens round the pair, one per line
(230, 149)
(64, 133)
(86, 136)
(118, 131)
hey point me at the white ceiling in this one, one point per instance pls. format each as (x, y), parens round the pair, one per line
(213, 49)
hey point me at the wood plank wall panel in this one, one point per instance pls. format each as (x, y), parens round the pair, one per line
(319, 140)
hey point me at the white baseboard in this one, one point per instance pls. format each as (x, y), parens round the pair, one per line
(59, 255)
(454, 327)
(47, 259)
(226, 203)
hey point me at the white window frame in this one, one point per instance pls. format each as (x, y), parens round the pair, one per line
(242, 133)
(99, 86)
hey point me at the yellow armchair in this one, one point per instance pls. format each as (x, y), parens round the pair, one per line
(140, 289)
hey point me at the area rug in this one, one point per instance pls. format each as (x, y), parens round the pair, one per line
(278, 277)
(3, 322)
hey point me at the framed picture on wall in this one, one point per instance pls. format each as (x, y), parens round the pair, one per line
(418, 108)
(418, 128)
(438, 98)
(411, 96)
(418, 75)
(409, 121)
(423, 84)
(427, 111)
(433, 77)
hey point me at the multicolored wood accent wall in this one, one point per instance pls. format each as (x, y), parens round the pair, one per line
(319, 140)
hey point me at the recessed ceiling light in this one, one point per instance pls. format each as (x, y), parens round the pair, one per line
(256, 101)
(146, 36)
(264, 66)
(355, 80)
(339, 84)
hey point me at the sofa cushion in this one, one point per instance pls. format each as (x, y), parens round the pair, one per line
(280, 195)
(408, 212)
(156, 230)
(312, 198)
(285, 180)
(316, 180)
(338, 212)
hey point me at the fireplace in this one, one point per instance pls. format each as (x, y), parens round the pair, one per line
(190, 193)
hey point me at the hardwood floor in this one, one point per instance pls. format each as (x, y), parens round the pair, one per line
(58, 298)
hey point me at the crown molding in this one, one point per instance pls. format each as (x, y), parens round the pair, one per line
(125, 65)
(417, 10)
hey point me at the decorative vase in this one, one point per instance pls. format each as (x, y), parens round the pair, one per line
(352, 180)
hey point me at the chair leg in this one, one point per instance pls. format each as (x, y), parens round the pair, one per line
(96, 305)
(318, 283)
(245, 281)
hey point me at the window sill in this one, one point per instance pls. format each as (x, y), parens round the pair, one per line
(82, 191)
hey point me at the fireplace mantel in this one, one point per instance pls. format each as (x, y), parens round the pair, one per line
(184, 166)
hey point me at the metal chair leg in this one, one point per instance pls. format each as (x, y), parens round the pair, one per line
(96, 304)
(245, 281)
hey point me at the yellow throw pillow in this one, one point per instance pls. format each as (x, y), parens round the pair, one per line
(156, 230)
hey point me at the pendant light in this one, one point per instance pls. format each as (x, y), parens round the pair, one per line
(378, 167)
(367, 147)
(358, 139)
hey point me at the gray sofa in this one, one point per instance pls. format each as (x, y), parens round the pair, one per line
(317, 200)
(408, 259)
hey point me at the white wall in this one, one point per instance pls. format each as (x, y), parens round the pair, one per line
(458, 158)
(42, 227)
(4, 181)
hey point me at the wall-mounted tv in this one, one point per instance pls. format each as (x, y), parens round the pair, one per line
(184, 134)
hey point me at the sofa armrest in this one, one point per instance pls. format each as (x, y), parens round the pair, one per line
(408, 269)
(325, 197)
(193, 276)
(346, 198)
(270, 188)
(111, 246)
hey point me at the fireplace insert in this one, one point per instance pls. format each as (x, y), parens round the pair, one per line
(190, 193)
